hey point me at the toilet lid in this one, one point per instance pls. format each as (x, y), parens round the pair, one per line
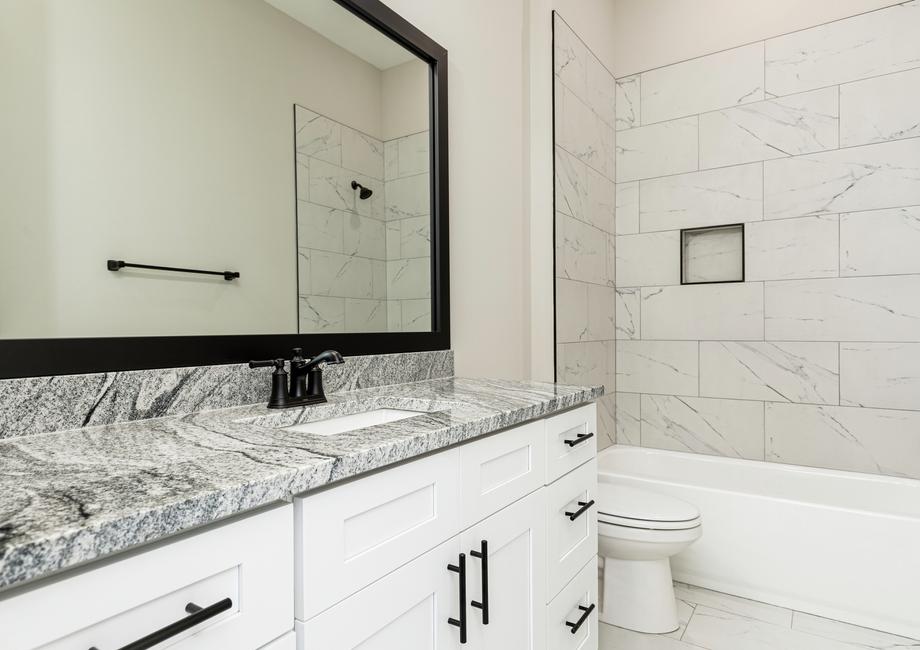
(631, 503)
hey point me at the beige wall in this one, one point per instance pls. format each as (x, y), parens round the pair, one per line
(405, 105)
(121, 147)
(652, 33)
(485, 43)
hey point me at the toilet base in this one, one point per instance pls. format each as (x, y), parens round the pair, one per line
(639, 595)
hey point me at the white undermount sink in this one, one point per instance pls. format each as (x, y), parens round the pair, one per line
(343, 423)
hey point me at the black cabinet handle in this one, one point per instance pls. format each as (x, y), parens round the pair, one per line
(580, 438)
(578, 513)
(483, 555)
(196, 615)
(586, 612)
(460, 568)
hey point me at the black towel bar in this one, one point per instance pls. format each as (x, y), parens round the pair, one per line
(115, 265)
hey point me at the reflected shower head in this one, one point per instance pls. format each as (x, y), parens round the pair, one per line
(365, 192)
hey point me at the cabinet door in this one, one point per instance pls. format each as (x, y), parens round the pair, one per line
(500, 469)
(571, 525)
(408, 608)
(515, 554)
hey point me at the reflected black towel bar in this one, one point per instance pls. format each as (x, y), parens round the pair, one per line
(115, 265)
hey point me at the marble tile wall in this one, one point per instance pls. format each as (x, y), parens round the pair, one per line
(585, 201)
(812, 140)
(407, 209)
(363, 265)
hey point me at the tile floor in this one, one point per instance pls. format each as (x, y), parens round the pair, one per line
(713, 621)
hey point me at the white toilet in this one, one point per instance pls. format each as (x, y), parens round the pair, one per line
(638, 532)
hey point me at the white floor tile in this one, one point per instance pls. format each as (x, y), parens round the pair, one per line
(715, 629)
(616, 638)
(734, 605)
(860, 637)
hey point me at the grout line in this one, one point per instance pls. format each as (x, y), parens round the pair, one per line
(780, 158)
(771, 38)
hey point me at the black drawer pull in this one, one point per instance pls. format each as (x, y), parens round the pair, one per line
(580, 438)
(578, 513)
(196, 615)
(483, 555)
(460, 568)
(586, 612)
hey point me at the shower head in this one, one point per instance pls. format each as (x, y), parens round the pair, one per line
(365, 192)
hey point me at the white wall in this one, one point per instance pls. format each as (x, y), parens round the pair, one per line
(652, 33)
(119, 144)
(405, 101)
(485, 43)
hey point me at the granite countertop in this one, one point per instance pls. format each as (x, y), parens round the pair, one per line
(74, 496)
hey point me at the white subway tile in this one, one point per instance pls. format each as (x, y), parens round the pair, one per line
(320, 227)
(409, 278)
(328, 186)
(601, 312)
(364, 236)
(582, 364)
(365, 315)
(600, 202)
(627, 313)
(571, 185)
(772, 372)
(648, 259)
(362, 153)
(847, 180)
(582, 251)
(322, 314)
(857, 439)
(708, 198)
(407, 197)
(883, 375)
(721, 427)
(570, 57)
(844, 309)
(787, 249)
(627, 208)
(703, 84)
(414, 236)
(344, 276)
(664, 367)
(627, 102)
(571, 311)
(317, 136)
(777, 128)
(880, 109)
(657, 150)
(416, 315)
(880, 242)
(730, 312)
(601, 91)
(582, 133)
(863, 46)
(414, 154)
(628, 419)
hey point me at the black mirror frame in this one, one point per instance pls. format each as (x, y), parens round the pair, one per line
(41, 357)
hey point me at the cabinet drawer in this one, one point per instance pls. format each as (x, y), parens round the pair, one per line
(571, 439)
(500, 469)
(245, 566)
(357, 532)
(565, 608)
(570, 542)
(287, 642)
(408, 608)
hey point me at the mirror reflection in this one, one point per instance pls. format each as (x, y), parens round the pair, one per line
(134, 139)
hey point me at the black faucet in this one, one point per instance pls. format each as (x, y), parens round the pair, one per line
(306, 379)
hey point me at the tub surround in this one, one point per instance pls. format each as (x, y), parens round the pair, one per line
(805, 139)
(72, 497)
(42, 404)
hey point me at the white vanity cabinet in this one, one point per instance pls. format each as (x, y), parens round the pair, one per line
(475, 547)
(238, 572)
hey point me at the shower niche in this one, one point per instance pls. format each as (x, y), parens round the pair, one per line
(712, 254)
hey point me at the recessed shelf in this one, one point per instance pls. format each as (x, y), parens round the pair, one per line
(712, 254)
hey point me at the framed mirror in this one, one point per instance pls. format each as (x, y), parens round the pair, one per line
(203, 183)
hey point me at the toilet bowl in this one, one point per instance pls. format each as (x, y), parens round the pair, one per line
(638, 532)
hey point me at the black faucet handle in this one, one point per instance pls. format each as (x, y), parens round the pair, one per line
(297, 359)
(268, 363)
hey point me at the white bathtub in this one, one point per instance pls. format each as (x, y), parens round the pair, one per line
(836, 544)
